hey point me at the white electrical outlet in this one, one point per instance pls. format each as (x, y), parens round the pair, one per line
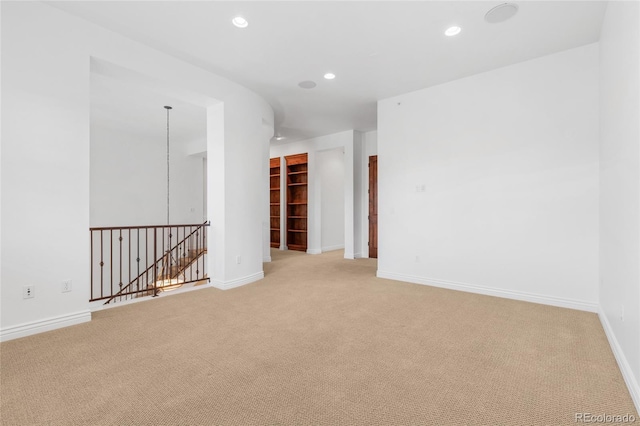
(28, 291)
(66, 286)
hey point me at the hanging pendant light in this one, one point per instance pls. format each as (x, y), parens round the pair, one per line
(167, 261)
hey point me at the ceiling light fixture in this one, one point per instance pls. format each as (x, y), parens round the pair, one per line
(329, 76)
(307, 84)
(240, 22)
(501, 13)
(278, 137)
(451, 31)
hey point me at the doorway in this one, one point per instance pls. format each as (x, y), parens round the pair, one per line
(373, 206)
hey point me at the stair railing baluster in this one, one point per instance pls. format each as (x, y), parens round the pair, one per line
(138, 258)
(101, 266)
(91, 278)
(177, 261)
(111, 259)
(120, 262)
(129, 257)
(146, 254)
(155, 256)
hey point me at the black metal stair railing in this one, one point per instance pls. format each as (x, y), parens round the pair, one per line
(135, 261)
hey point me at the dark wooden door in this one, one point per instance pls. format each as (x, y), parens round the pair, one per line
(373, 206)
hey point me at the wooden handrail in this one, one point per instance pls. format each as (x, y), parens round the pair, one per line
(110, 228)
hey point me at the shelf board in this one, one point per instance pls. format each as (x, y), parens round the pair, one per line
(275, 189)
(277, 174)
(275, 216)
(296, 230)
(275, 229)
(274, 204)
(297, 173)
(297, 204)
(297, 246)
(297, 184)
(296, 217)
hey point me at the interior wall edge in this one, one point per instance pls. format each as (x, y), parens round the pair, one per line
(621, 359)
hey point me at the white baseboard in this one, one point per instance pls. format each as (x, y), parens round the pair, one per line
(314, 251)
(99, 305)
(41, 326)
(185, 289)
(349, 255)
(490, 291)
(332, 248)
(226, 285)
(360, 256)
(266, 259)
(623, 363)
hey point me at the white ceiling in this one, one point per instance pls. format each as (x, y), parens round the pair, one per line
(124, 109)
(376, 49)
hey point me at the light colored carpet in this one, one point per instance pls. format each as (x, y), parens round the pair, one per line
(319, 341)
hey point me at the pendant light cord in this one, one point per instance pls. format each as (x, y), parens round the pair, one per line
(168, 108)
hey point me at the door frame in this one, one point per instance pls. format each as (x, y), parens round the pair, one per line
(373, 206)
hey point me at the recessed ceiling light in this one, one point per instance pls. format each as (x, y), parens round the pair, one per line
(279, 138)
(501, 13)
(451, 31)
(329, 76)
(307, 84)
(240, 22)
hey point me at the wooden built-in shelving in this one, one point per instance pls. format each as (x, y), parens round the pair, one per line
(297, 167)
(274, 201)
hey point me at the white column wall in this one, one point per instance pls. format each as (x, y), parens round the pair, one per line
(244, 188)
(266, 221)
(369, 148)
(332, 198)
(314, 210)
(216, 194)
(620, 187)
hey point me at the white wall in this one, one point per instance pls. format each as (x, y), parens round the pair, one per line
(45, 169)
(490, 183)
(620, 187)
(348, 141)
(266, 221)
(129, 180)
(369, 148)
(128, 149)
(331, 176)
(240, 193)
(45, 162)
(358, 192)
(1, 135)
